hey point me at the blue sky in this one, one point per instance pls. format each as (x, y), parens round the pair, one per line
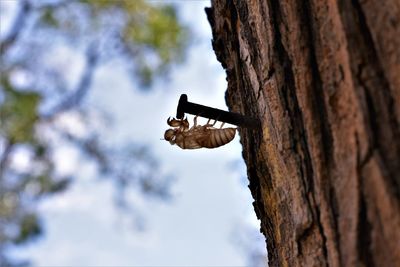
(212, 206)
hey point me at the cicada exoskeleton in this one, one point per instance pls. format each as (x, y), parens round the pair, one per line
(197, 136)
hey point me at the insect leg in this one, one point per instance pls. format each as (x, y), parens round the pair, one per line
(208, 124)
(195, 121)
(216, 122)
(184, 125)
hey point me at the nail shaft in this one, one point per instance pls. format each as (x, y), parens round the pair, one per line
(216, 114)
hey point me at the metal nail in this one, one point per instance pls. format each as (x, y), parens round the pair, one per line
(184, 106)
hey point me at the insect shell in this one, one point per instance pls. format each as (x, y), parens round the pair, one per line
(197, 136)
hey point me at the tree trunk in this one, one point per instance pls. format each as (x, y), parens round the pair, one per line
(323, 77)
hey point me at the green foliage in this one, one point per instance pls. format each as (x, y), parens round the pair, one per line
(155, 29)
(150, 28)
(151, 32)
(18, 113)
(158, 29)
(48, 185)
(152, 40)
(48, 18)
(29, 228)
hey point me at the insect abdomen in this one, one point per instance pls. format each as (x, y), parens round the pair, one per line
(219, 137)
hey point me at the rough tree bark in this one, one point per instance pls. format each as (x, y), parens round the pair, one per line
(323, 76)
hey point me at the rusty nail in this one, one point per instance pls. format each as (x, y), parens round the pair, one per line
(184, 106)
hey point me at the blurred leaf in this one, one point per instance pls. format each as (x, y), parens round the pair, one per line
(29, 228)
(59, 186)
(19, 114)
(48, 18)
(146, 75)
(156, 28)
(8, 204)
(40, 150)
(46, 184)
(152, 30)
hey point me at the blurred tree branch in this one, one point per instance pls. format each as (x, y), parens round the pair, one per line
(76, 97)
(33, 109)
(8, 146)
(18, 25)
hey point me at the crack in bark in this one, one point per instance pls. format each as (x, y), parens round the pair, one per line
(375, 135)
(303, 236)
(317, 87)
(297, 125)
(386, 108)
(333, 202)
(364, 228)
(327, 152)
(326, 136)
(251, 37)
(323, 236)
(267, 226)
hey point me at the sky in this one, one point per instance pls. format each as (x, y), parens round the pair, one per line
(211, 210)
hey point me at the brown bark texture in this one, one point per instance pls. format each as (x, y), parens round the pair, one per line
(323, 77)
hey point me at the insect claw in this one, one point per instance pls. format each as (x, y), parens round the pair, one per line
(169, 121)
(174, 122)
